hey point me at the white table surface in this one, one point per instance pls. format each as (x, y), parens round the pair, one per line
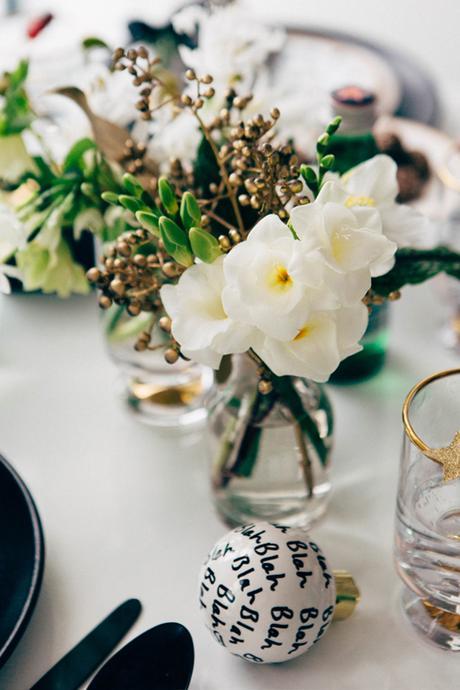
(126, 509)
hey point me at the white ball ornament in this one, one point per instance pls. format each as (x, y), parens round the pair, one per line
(267, 592)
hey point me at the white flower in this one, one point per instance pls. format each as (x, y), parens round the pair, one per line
(199, 321)
(5, 273)
(319, 345)
(271, 282)
(14, 158)
(174, 136)
(13, 235)
(231, 46)
(353, 245)
(374, 184)
(111, 94)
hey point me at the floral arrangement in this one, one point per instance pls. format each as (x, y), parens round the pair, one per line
(246, 250)
(47, 207)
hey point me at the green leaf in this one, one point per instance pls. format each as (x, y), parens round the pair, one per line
(290, 397)
(132, 185)
(15, 111)
(74, 159)
(18, 76)
(149, 221)
(110, 198)
(205, 168)
(94, 42)
(190, 211)
(204, 245)
(167, 196)
(415, 266)
(131, 203)
(175, 241)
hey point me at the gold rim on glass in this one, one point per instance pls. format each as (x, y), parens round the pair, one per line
(447, 457)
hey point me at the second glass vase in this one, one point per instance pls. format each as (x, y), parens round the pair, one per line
(270, 452)
(161, 394)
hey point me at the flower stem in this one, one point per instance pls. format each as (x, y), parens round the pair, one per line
(305, 464)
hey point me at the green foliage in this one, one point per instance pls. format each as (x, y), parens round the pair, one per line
(175, 241)
(94, 42)
(414, 266)
(204, 245)
(15, 113)
(75, 159)
(326, 161)
(205, 168)
(189, 210)
(133, 186)
(149, 221)
(167, 196)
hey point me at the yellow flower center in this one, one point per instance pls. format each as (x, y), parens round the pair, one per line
(339, 245)
(279, 278)
(359, 201)
(304, 332)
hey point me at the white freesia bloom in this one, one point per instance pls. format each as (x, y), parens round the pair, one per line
(319, 346)
(352, 244)
(199, 321)
(373, 184)
(272, 281)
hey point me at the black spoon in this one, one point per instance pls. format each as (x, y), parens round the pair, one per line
(160, 659)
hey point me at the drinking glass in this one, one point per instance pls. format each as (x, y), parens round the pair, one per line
(427, 543)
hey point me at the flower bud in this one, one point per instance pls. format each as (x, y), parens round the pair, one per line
(334, 125)
(175, 241)
(110, 198)
(189, 210)
(322, 143)
(328, 161)
(130, 203)
(132, 185)
(149, 221)
(204, 245)
(167, 196)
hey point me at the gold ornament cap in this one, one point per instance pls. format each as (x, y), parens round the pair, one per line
(347, 595)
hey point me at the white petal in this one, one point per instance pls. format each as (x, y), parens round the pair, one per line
(375, 178)
(408, 228)
(268, 229)
(313, 356)
(207, 357)
(351, 325)
(332, 191)
(349, 287)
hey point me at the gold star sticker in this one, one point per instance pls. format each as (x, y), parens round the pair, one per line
(448, 457)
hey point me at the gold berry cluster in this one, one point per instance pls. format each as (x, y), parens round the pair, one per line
(131, 274)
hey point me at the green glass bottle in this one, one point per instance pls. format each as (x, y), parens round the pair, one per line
(352, 144)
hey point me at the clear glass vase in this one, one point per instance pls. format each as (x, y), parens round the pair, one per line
(367, 363)
(270, 453)
(161, 394)
(427, 539)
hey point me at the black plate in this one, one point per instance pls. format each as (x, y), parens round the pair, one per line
(21, 558)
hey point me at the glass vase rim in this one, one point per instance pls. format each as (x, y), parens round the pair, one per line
(410, 397)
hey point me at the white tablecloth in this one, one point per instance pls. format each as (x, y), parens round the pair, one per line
(126, 509)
